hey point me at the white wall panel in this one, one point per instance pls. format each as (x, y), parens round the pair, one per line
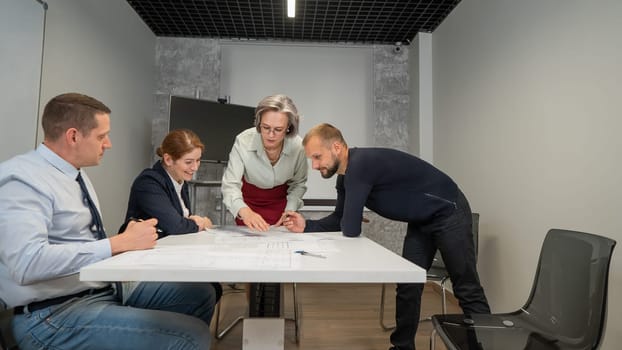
(330, 84)
(21, 45)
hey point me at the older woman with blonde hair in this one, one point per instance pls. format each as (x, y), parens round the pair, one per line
(267, 169)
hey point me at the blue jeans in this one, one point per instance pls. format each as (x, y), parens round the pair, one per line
(453, 237)
(156, 316)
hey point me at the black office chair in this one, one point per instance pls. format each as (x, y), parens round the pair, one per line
(437, 272)
(6, 337)
(2, 342)
(565, 310)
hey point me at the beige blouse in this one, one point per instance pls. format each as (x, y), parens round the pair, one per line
(248, 158)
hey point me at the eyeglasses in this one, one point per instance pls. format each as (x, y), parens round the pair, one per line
(268, 130)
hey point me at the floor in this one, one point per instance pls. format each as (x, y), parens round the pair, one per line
(336, 316)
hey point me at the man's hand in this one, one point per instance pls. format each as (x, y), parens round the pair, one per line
(253, 220)
(138, 235)
(281, 219)
(294, 221)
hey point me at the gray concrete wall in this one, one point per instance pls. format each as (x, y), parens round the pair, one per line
(391, 98)
(188, 67)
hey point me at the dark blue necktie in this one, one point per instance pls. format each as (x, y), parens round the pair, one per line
(97, 226)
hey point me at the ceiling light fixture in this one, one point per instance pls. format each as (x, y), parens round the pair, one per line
(291, 8)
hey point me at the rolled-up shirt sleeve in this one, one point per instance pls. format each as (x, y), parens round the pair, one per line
(297, 185)
(232, 180)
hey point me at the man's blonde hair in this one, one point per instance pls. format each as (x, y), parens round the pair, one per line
(326, 133)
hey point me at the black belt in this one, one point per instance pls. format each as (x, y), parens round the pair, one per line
(38, 305)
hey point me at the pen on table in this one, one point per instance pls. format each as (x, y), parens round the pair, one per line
(304, 252)
(158, 230)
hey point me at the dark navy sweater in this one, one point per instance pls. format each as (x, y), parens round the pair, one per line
(394, 184)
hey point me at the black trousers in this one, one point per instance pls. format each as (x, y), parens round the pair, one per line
(453, 237)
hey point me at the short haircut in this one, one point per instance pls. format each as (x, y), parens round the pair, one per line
(279, 103)
(179, 142)
(326, 133)
(71, 110)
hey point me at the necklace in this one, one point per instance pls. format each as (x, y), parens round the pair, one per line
(273, 154)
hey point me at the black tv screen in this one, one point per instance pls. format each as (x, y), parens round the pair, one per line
(216, 123)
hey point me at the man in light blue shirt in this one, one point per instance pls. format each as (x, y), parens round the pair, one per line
(47, 234)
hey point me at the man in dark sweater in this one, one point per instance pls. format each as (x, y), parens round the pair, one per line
(401, 187)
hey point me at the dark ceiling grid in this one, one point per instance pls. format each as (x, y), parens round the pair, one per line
(185, 23)
(207, 19)
(426, 20)
(319, 31)
(337, 21)
(223, 24)
(403, 22)
(212, 20)
(243, 22)
(332, 26)
(416, 22)
(262, 18)
(301, 14)
(200, 22)
(160, 14)
(229, 20)
(402, 18)
(383, 25)
(365, 32)
(357, 22)
(281, 12)
(441, 16)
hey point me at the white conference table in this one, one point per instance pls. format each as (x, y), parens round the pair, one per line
(233, 254)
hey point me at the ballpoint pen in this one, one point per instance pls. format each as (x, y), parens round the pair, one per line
(158, 230)
(304, 252)
(283, 217)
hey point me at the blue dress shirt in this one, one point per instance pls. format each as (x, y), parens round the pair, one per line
(44, 229)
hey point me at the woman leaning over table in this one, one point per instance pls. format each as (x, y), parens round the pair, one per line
(161, 191)
(267, 169)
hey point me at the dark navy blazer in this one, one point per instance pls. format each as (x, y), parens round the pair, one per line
(153, 196)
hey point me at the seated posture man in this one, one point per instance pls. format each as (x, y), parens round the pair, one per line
(401, 187)
(50, 227)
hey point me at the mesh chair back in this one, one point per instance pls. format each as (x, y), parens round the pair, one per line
(569, 294)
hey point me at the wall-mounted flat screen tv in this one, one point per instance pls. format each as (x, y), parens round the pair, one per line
(215, 123)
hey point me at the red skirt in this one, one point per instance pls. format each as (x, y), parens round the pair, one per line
(269, 203)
